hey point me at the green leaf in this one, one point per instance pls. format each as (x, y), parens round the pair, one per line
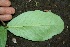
(36, 25)
(3, 36)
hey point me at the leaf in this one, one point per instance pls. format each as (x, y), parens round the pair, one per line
(36, 25)
(3, 36)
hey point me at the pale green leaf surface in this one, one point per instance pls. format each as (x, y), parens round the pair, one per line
(3, 36)
(36, 25)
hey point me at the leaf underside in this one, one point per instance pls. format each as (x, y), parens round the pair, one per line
(36, 25)
(3, 36)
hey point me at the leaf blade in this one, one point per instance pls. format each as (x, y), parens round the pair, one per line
(3, 36)
(37, 23)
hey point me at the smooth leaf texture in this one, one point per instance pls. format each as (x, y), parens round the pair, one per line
(3, 36)
(36, 25)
